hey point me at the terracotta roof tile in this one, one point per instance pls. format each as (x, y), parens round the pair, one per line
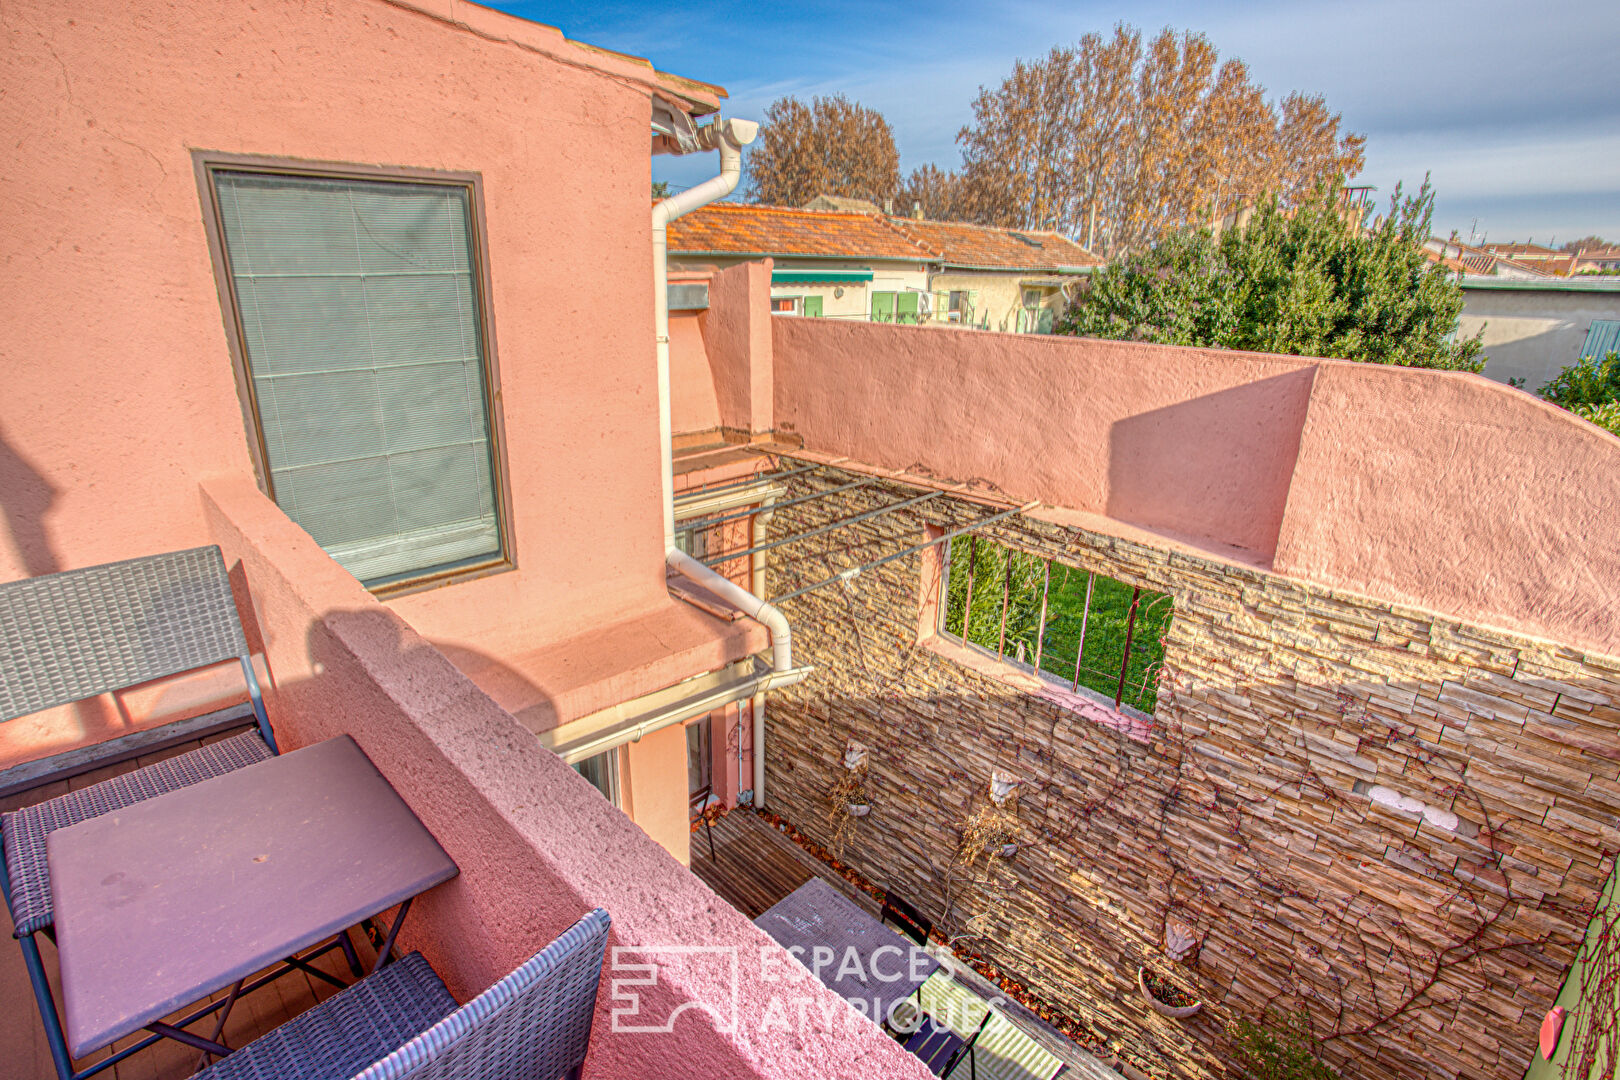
(738, 229)
(960, 244)
(735, 229)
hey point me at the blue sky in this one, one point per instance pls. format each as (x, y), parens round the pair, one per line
(1514, 108)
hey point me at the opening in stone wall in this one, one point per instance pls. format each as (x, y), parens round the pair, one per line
(1074, 627)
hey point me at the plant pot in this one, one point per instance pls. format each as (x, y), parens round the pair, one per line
(1174, 1012)
(859, 809)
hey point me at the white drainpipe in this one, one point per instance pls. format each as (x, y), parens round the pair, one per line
(729, 137)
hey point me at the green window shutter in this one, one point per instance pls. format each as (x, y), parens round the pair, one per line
(883, 307)
(812, 306)
(970, 312)
(906, 307)
(363, 340)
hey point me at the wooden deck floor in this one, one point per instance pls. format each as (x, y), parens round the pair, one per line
(755, 865)
(23, 1051)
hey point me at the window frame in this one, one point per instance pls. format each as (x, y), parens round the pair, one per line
(610, 773)
(205, 164)
(940, 628)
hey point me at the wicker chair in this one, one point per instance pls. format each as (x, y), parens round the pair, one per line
(401, 1024)
(78, 634)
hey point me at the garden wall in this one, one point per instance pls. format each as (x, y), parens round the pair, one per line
(1426, 941)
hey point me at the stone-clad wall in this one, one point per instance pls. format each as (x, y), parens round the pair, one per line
(1245, 817)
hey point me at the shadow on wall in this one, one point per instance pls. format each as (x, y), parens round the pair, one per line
(1534, 357)
(26, 497)
(1215, 467)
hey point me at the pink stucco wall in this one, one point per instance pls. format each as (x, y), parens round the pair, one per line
(118, 383)
(1199, 443)
(118, 391)
(1435, 490)
(535, 844)
(1458, 494)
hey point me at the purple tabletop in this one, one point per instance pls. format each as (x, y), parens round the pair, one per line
(816, 915)
(164, 902)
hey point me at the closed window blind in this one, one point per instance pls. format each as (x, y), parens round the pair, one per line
(362, 336)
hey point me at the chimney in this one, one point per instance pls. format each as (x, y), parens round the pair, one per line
(916, 209)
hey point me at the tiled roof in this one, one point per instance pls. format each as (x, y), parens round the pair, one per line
(734, 229)
(960, 244)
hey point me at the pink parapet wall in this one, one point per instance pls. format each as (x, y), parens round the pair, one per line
(536, 845)
(1196, 442)
(1457, 494)
(1435, 490)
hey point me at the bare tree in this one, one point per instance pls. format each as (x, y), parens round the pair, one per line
(1117, 142)
(832, 146)
(940, 195)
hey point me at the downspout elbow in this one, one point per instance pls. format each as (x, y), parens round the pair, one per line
(746, 602)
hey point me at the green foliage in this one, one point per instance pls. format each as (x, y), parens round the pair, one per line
(660, 189)
(1589, 382)
(1311, 281)
(1105, 626)
(1606, 416)
(1590, 389)
(1278, 1047)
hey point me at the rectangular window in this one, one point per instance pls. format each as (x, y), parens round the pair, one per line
(699, 763)
(1075, 628)
(784, 305)
(602, 771)
(363, 347)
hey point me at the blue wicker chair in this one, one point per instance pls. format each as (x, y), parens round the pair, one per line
(401, 1024)
(81, 633)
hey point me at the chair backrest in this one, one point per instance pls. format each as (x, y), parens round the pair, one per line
(535, 1024)
(698, 801)
(79, 633)
(905, 917)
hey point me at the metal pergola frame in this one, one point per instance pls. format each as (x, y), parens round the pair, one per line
(698, 525)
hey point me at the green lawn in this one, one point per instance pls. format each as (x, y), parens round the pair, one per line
(1105, 628)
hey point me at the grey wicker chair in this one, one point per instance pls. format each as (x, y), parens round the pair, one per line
(401, 1024)
(81, 633)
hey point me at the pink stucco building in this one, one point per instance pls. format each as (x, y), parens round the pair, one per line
(450, 528)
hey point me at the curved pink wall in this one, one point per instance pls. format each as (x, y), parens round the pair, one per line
(1436, 490)
(117, 384)
(1457, 494)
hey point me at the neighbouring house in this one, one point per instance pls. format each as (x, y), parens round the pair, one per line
(836, 260)
(1547, 260)
(844, 204)
(1533, 329)
(1018, 280)
(1466, 260)
(1597, 260)
(829, 263)
(1283, 681)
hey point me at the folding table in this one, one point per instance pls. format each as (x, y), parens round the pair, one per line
(164, 902)
(815, 915)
